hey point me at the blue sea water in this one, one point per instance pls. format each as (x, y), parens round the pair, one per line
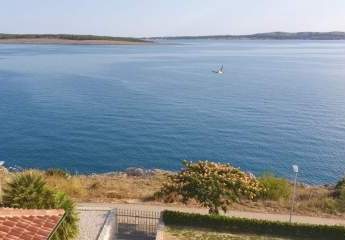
(104, 108)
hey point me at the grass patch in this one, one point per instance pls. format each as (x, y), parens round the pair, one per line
(276, 188)
(180, 233)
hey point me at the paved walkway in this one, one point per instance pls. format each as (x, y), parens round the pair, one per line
(242, 214)
(91, 222)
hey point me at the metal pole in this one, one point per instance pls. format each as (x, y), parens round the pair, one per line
(293, 196)
(0, 190)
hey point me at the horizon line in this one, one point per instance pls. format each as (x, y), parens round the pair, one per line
(178, 36)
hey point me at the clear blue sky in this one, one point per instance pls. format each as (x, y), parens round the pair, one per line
(170, 17)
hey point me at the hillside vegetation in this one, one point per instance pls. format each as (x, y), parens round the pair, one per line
(128, 187)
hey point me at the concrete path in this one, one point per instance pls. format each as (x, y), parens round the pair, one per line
(242, 214)
(91, 222)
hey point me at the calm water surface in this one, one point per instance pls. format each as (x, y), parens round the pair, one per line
(103, 108)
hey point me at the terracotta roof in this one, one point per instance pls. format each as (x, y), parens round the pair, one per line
(28, 224)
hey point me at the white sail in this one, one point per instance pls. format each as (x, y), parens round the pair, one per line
(219, 71)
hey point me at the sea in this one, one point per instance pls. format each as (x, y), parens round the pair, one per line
(95, 109)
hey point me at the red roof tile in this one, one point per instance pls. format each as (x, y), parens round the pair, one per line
(28, 224)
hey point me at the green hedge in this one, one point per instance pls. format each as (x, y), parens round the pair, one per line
(253, 226)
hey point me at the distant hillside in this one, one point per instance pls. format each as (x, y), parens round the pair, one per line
(270, 36)
(67, 37)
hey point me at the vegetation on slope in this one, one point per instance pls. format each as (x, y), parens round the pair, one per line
(123, 187)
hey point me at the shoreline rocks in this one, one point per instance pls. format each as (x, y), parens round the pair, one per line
(136, 172)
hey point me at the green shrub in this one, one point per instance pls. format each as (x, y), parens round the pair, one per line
(57, 173)
(253, 226)
(340, 184)
(69, 227)
(340, 200)
(275, 188)
(340, 195)
(327, 205)
(29, 190)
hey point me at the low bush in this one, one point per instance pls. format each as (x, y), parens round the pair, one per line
(275, 188)
(69, 227)
(340, 200)
(340, 184)
(27, 191)
(339, 195)
(57, 173)
(253, 226)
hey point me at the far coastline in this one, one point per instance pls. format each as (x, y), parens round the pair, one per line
(68, 39)
(75, 39)
(68, 42)
(335, 35)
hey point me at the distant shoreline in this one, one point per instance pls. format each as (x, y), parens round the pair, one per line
(76, 39)
(263, 36)
(69, 41)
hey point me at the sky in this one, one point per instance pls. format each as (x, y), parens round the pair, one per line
(147, 18)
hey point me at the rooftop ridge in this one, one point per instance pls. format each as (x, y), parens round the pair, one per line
(12, 212)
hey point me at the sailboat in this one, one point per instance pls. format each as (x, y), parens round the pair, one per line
(219, 71)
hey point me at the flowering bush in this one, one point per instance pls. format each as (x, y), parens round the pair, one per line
(213, 185)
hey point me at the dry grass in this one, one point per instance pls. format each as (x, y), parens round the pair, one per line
(108, 188)
(312, 201)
